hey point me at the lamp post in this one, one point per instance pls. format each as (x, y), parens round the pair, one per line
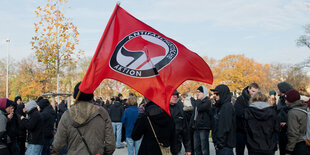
(7, 69)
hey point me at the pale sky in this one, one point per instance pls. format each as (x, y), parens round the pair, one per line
(265, 30)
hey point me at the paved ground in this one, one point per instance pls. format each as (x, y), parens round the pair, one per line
(123, 151)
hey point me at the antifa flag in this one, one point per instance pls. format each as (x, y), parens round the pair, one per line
(144, 59)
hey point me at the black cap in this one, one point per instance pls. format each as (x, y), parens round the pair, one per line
(83, 96)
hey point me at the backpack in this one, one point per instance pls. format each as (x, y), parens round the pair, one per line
(307, 136)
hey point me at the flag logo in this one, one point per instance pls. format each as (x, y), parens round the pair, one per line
(142, 54)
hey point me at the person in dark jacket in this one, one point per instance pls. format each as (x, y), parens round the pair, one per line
(240, 105)
(34, 126)
(48, 116)
(128, 119)
(6, 113)
(21, 129)
(163, 126)
(282, 110)
(116, 113)
(201, 121)
(12, 131)
(61, 108)
(296, 124)
(182, 133)
(261, 125)
(224, 129)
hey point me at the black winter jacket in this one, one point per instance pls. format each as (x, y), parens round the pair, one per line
(163, 125)
(261, 126)
(224, 130)
(204, 115)
(34, 126)
(241, 104)
(21, 128)
(48, 116)
(182, 133)
(116, 112)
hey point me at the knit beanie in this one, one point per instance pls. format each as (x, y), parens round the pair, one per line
(30, 105)
(284, 87)
(83, 96)
(200, 89)
(292, 95)
(272, 92)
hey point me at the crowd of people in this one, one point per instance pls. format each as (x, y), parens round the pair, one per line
(262, 123)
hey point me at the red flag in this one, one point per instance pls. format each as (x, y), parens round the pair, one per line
(146, 60)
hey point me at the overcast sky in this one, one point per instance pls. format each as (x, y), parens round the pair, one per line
(265, 30)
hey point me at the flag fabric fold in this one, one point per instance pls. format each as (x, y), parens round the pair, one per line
(144, 59)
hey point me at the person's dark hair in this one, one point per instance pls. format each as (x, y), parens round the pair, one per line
(39, 99)
(117, 99)
(119, 95)
(254, 85)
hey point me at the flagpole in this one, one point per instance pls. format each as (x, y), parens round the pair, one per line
(77, 97)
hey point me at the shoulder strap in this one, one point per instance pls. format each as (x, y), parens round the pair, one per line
(81, 136)
(301, 110)
(83, 139)
(153, 129)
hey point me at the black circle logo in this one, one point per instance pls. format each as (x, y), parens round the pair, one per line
(142, 54)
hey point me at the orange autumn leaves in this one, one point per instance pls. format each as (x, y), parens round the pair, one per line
(55, 38)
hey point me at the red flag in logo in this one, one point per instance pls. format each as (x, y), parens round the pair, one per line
(146, 60)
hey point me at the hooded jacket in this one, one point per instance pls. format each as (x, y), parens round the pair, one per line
(261, 126)
(163, 126)
(224, 130)
(241, 104)
(48, 115)
(202, 113)
(95, 126)
(34, 126)
(296, 124)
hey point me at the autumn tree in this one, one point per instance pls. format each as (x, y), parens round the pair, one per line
(2, 78)
(304, 41)
(29, 80)
(55, 38)
(237, 72)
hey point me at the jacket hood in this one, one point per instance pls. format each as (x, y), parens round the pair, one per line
(245, 93)
(17, 98)
(44, 103)
(3, 103)
(259, 110)
(298, 104)
(82, 112)
(224, 93)
(260, 105)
